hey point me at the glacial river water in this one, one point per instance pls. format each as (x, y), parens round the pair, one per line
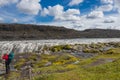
(36, 45)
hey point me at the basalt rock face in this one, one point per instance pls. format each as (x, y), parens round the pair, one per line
(36, 32)
(100, 33)
(33, 32)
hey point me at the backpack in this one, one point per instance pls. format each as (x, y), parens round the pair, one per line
(5, 57)
(11, 56)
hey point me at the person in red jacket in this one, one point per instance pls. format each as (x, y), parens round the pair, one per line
(5, 57)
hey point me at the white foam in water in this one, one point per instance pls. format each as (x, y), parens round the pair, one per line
(37, 45)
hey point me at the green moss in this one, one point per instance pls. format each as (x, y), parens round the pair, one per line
(65, 59)
(33, 57)
(86, 50)
(60, 47)
(13, 76)
(71, 66)
(67, 47)
(117, 44)
(20, 63)
(50, 58)
(56, 48)
(40, 63)
(109, 71)
(96, 46)
(113, 51)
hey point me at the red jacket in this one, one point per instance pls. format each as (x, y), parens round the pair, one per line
(5, 56)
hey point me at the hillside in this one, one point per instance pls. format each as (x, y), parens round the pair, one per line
(31, 32)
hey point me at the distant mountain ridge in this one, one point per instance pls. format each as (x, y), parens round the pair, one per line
(35, 32)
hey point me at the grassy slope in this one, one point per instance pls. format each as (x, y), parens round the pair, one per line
(85, 70)
(108, 71)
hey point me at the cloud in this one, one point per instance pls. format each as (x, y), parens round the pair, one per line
(95, 14)
(117, 2)
(110, 19)
(75, 2)
(1, 19)
(107, 22)
(106, 8)
(86, 23)
(9, 17)
(77, 25)
(30, 7)
(71, 15)
(44, 12)
(58, 13)
(117, 5)
(56, 10)
(110, 4)
(6, 2)
(72, 12)
(15, 20)
(71, 18)
(97, 20)
(107, 1)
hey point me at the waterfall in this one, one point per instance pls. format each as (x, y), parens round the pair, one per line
(37, 45)
(20, 47)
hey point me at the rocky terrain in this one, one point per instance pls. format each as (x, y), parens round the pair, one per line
(74, 62)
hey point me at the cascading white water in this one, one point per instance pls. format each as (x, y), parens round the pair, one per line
(37, 45)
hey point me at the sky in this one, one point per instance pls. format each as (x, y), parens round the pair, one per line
(73, 14)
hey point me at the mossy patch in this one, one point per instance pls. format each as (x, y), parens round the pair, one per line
(60, 47)
(113, 51)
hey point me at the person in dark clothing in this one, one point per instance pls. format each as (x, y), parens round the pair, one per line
(8, 58)
(5, 57)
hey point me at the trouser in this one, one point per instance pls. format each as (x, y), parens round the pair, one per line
(7, 65)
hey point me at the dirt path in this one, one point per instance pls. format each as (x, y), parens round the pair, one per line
(100, 61)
